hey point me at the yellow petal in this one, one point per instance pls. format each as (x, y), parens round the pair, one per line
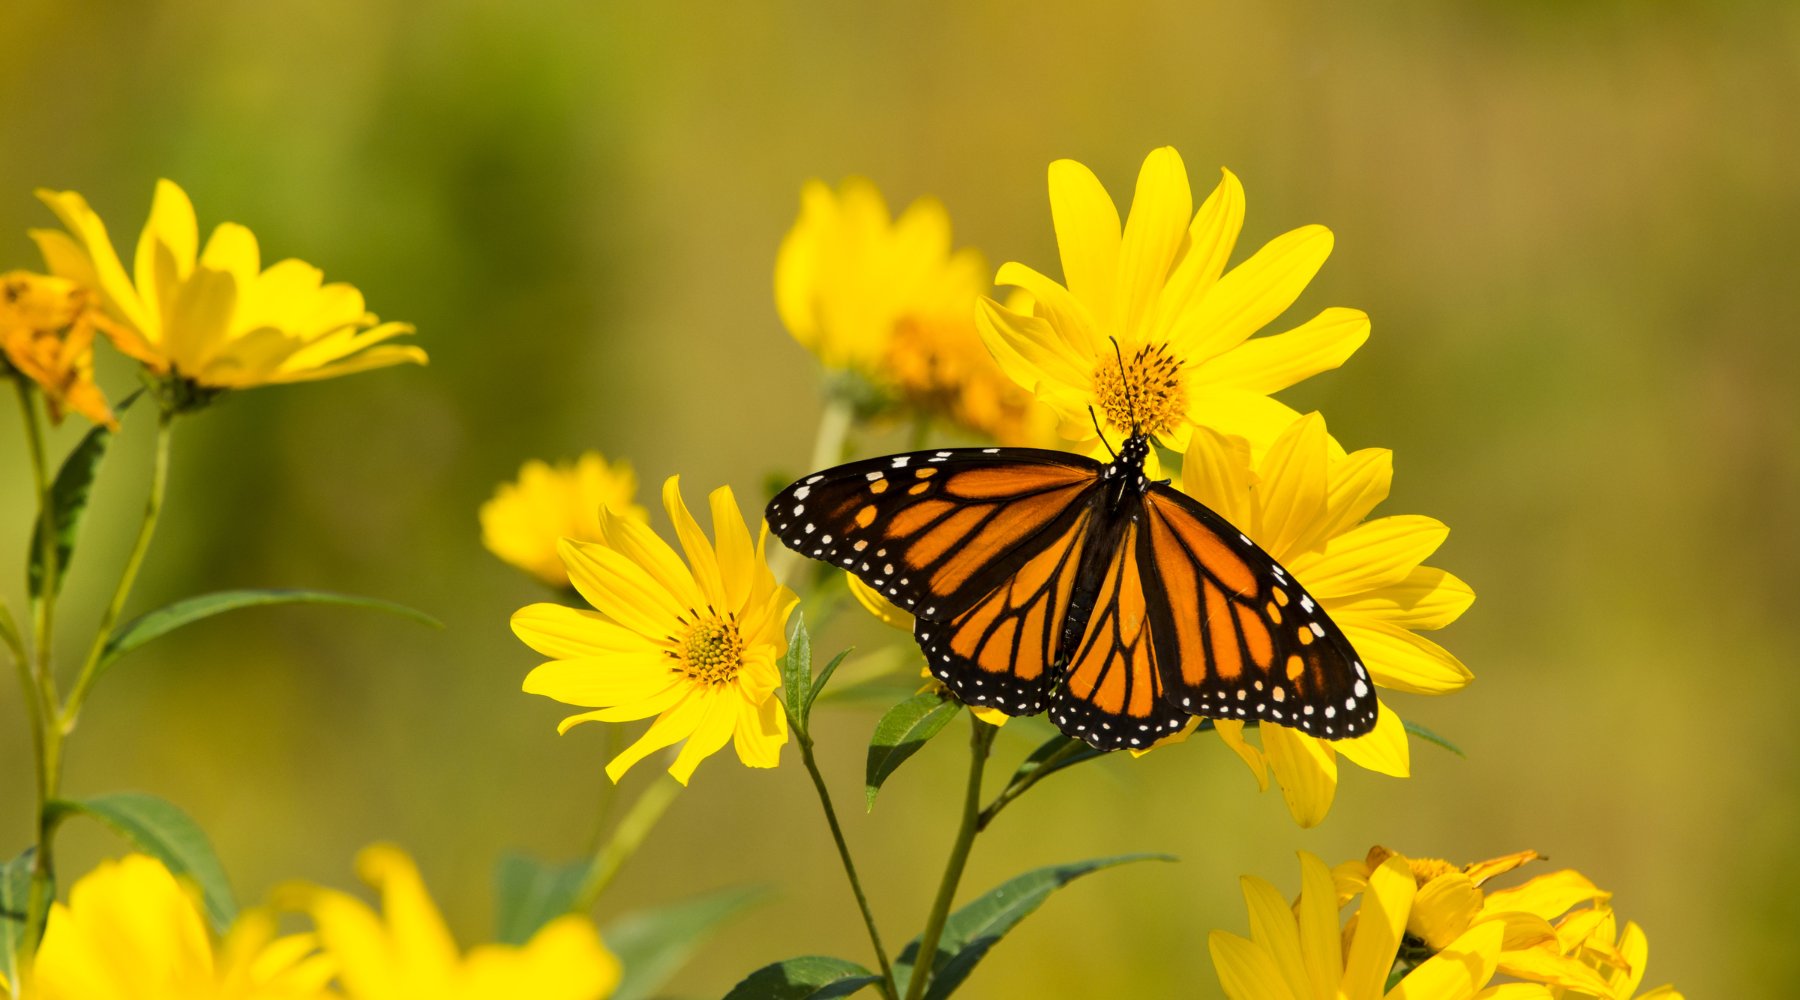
(1251, 294)
(761, 732)
(1316, 913)
(879, 606)
(1075, 327)
(1427, 598)
(1211, 236)
(1217, 471)
(128, 924)
(232, 248)
(1664, 992)
(1382, 749)
(564, 960)
(1444, 909)
(1030, 350)
(1245, 971)
(710, 735)
(1305, 768)
(1160, 209)
(1371, 555)
(700, 556)
(1087, 236)
(1481, 871)
(1403, 660)
(633, 538)
(1292, 489)
(1232, 732)
(1271, 364)
(380, 357)
(797, 263)
(1544, 965)
(621, 589)
(65, 258)
(737, 557)
(676, 723)
(1256, 418)
(114, 285)
(416, 933)
(166, 249)
(1515, 991)
(1456, 972)
(1380, 922)
(1351, 879)
(1273, 928)
(1547, 896)
(1524, 930)
(1635, 949)
(564, 632)
(1578, 927)
(197, 315)
(1358, 482)
(604, 681)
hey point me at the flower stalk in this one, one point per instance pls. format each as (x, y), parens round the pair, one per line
(981, 739)
(627, 837)
(837, 834)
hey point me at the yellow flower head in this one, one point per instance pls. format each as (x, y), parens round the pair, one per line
(890, 301)
(130, 932)
(1577, 954)
(1300, 952)
(1181, 323)
(47, 332)
(890, 614)
(215, 317)
(694, 645)
(524, 520)
(1304, 502)
(406, 952)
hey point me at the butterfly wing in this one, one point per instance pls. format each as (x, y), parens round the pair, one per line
(1238, 637)
(935, 531)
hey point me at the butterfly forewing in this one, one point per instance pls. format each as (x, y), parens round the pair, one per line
(934, 531)
(1239, 638)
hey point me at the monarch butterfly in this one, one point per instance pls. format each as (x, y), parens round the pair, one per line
(1044, 578)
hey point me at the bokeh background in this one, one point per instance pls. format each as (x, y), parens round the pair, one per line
(1572, 223)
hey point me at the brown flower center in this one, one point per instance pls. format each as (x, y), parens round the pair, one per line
(711, 652)
(1148, 387)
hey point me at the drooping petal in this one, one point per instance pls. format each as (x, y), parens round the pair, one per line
(557, 630)
(1273, 928)
(1444, 909)
(1402, 660)
(1321, 945)
(1427, 598)
(1544, 965)
(676, 723)
(1380, 922)
(1372, 554)
(1160, 209)
(1516, 991)
(1292, 489)
(1251, 294)
(711, 733)
(761, 732)
(1350, 879)
(884, 610)
(1456, 972)
(1271, 364)
(1217, 471)
(1547, 896)
(1634, 948)
(1211, 236)
(737, 557)
(700, 555)
(1306, 769)
(621, 589)
(1087, 236)
(1382, 749)
(1245, 971)
(604, 681)
(380, 357)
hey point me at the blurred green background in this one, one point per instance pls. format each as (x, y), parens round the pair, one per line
(1572, 224)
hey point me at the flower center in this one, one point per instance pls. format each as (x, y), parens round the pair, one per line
(712, 652)
(1148, 386)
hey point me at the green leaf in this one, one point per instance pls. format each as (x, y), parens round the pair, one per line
(975, 928)
(15, 898)
(819, 682)
(160, 829)
(68, 501)
(170, 617)
(902, 732)
(1430, 737)
(654, 944)
(813, 977)
(529, 893)
(796, 672)
(1034, 768)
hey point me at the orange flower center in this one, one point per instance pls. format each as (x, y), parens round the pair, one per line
(1145, 392)
(711, 652)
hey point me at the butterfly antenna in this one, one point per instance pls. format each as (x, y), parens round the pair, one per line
(1097, 430)
(1124, 380)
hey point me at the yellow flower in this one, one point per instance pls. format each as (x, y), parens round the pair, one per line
(886, 612)
(130, 932)
(694, 645)
(1300, 953)
(47, 332)
(214, 316)
(891, 302)
(1303, 502)
(524, 520)
(407, 953)
(1182, 329)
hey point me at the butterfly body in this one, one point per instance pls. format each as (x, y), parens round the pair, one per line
(1044, 580)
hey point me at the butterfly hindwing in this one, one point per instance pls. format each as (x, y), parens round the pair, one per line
(1239, 638)
(933, 531)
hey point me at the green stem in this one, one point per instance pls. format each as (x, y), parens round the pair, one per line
(837, 834)
(609, 790)
(828, 450)
(1023, 785)
(37, 679)
(981, 737)
(626, 838)
(159, 483)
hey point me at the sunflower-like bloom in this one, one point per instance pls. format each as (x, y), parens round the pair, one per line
(1576, 955)
(130, 932)
(406, 952)
(47, 332)
(891, 302)
(524, 520)
(1300, 953)
(1182, 324)
(215, 317)
(1304, 502)
(694, 645)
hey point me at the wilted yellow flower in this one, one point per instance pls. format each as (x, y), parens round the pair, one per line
(890, 301)
(1304, 502)
(1576, 957)
(525, 520)
(47, 332)
(694, 645)
(131, 933)
(1300, 952)
(215, 317)
(1182, 329)
(888, 613)
(407, 953)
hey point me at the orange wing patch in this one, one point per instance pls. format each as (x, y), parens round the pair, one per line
(1014, 480)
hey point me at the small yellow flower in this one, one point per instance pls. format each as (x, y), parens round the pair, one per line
(888, 613)
(47, 332)
(1304, 502)
(214, 317)
(1181, 328)
(1299, 952)
(130, 932)
(407, 953)
(524, 520)
(695, 645)
(891, 302)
